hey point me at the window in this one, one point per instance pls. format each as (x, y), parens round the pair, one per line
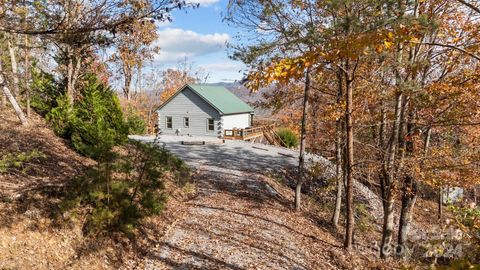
(210, 124)
(186, 122)
(169, 122)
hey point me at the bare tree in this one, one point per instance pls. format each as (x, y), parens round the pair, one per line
(8, 94)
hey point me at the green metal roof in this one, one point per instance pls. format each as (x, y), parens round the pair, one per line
(221, 98)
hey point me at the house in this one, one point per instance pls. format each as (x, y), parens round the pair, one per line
(203, 110)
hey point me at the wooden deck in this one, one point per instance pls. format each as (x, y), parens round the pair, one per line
(253, 133)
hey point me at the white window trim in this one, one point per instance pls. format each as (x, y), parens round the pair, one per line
(184, 122)
(208, 125)
(166, 122)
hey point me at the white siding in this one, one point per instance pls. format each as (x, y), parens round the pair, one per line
(188, 104)
(236, 121)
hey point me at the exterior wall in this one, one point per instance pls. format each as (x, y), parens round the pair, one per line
(188, 104)
(236, 121)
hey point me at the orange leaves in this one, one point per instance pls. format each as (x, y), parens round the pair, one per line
(173, 79)
(401, 34)
(134, 45)
(167, 93)
(282, 72)
(332, 112)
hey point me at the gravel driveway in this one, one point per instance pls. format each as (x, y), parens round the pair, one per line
(240, 220)
(237, 155)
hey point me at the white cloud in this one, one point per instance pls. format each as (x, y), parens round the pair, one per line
(223, 66)
(162, 24)
(224, 70)
(176, 44)
(203, 2)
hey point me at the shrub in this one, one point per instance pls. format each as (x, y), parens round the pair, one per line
(19, 161)
(289, 138)
(59, 118)
(95, 123)
(44, 91)
(135, 123)
(121, 192)
(364, 220)
(469, 217)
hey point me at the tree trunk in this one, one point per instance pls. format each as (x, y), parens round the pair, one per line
(301, 159)
(27, 76)
(338, 154)
(383, 123)
(15, 105)
(149, 120)
(409, 197)
(127, 72)
(409, 190)
(387, 226)
(70, 77)
(404, 132)
(338, 176)
(126, 87)
(440, 202)
(349, 156)
(75, 76)
(388, 183)
(139, 78)
(13, 60)
(426, 144)
(74, 64)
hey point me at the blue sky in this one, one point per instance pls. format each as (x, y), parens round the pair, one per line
(201, 37)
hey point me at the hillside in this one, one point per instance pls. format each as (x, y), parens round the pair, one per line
(34, 234)
(54, 164)
(362, 150)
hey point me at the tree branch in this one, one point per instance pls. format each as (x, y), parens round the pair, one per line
(451, 47)
(470, 5)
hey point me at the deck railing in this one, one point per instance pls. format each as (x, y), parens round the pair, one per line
(243, 134)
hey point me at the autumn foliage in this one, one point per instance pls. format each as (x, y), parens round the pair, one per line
(394, 91)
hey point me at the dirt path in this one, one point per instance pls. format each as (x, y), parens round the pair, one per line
(240, 218)
(238, 221)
